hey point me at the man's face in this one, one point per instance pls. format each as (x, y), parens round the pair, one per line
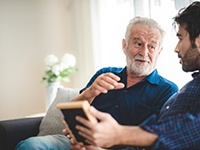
(142, 50)
(189, 57)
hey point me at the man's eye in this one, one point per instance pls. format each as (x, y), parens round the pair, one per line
(138, 44)
(151, 47)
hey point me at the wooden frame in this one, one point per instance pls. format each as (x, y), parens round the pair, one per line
(68, 113)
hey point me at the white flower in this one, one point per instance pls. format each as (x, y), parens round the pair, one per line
(62, 66)
(51, 60)
(68, 60)
(59, 70)
(56, 69)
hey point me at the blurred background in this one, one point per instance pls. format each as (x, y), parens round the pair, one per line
(91, 30)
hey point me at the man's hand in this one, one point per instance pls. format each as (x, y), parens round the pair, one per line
(103, 134)
(77, 146)
(102, 84)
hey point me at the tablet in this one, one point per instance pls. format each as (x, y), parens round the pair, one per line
(69, 111)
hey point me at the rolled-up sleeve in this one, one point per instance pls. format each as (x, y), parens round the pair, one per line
(181, 131)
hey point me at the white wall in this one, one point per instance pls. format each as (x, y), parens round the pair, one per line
(30, 30)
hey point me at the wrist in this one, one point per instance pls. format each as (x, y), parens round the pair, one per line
(87, 95)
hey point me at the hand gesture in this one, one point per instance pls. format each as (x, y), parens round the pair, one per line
(102, 84)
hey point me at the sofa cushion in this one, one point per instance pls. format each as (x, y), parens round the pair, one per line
(52, 122)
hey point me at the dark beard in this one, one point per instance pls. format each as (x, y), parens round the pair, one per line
(191, 60)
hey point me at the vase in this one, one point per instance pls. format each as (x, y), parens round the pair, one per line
(51, 91)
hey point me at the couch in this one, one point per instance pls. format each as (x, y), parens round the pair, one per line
(15, 130)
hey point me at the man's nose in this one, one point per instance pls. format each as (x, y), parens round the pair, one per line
(144, 50)
(176, 48)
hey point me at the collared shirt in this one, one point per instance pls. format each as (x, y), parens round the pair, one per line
(178, 124)
(131, 106)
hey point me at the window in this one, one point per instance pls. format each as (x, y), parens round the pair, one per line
(109, 20)
(168, 64)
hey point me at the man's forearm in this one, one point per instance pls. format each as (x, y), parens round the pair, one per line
(136, 136)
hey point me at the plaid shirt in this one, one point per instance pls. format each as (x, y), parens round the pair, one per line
(178, 124)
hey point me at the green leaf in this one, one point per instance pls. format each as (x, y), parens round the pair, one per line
(63, 76)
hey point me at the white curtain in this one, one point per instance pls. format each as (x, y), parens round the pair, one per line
(168, 65)
(109, 20)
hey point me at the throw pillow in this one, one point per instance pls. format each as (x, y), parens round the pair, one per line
(52, 122)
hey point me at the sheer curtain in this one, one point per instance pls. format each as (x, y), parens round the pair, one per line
(109, 21)
(168, 65)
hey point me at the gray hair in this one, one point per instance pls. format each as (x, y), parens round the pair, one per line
(143, 21)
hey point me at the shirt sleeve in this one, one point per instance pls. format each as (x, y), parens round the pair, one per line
(176, 132)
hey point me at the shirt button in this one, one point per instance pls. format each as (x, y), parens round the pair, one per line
(167, 107)
(125, 90)
(116, 106)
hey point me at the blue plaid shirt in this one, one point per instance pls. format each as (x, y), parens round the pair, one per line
(178, 124)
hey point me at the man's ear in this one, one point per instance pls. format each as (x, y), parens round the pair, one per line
(160, 50)
(197, 42)
(124, 46)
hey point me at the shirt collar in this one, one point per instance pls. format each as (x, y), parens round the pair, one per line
(195, 74)
(153, 77)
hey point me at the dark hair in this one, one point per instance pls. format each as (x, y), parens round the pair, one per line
(189, 18)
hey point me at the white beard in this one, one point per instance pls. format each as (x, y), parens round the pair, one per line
(137, 68)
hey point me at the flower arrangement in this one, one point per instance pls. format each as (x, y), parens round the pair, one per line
(59, 70)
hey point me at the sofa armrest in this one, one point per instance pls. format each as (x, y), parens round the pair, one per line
(13, 131)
